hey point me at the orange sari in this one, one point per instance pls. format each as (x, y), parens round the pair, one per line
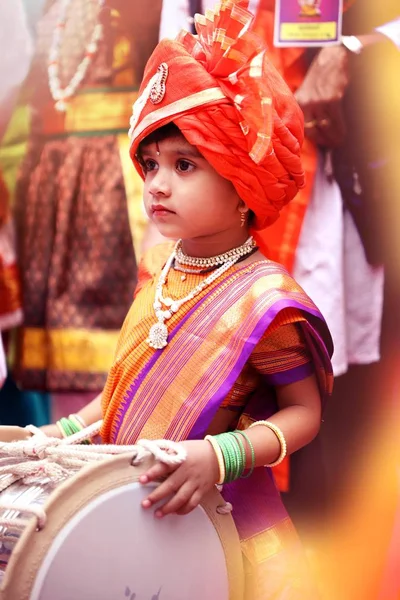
(175, 392)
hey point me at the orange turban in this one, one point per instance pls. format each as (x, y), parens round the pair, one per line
(227, 99)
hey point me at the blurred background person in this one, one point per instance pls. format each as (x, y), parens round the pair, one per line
(3, 366)
(78, 200)
(340, 253)
(336, 237)
(17, 49)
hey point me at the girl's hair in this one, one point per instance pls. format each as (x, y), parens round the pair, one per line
(158, 135)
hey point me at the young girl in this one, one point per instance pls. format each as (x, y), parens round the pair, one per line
(221, 351)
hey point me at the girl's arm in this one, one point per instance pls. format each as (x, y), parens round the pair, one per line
(92, 412)
(299, 418)
(89, 413)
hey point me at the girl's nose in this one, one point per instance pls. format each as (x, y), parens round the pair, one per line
(160, 183)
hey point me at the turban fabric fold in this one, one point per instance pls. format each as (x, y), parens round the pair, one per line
(228, 100)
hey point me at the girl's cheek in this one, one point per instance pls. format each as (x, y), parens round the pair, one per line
(146, 203)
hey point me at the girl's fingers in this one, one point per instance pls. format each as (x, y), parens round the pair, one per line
(169, 487)
(156, 472)
(180, 499)
(190, 505)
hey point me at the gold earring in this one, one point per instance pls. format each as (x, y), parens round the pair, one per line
(243, 219)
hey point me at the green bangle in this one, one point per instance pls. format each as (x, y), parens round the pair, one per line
(242, 450)
(70, 426)
(76, 420)
(238, 461)
(67, 426)
(253, 454)
(233, 453)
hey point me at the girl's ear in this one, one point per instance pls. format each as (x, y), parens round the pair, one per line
(242, 207)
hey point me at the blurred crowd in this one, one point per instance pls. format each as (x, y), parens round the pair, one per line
(72, 231)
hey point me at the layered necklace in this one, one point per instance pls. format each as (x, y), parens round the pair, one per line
(166, 307)
(60, 96)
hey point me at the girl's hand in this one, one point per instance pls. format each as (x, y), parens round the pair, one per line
(51, 430)
(321, 94)
(187, 483)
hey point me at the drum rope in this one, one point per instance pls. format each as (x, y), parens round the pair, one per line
(42, 460)
(20, 524)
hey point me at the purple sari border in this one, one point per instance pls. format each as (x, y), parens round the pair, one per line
(144, 372)
(209, 411)
(291, 375)
(328, 343)
(205, 418)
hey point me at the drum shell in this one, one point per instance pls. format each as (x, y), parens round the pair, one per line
(73, 495)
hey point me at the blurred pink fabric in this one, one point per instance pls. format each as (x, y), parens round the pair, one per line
(15, 46)
(64, 404)
(3, 368)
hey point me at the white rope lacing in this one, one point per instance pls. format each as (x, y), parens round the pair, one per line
(42, 460)
(226, 508)
(46, 461)
(20, 524)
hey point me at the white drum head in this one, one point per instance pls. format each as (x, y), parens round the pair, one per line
(113, 549)
(98, 543)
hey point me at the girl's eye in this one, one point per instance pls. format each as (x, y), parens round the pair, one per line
(184, 166)
(149, 165)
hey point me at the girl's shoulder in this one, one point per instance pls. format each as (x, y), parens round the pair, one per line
(155, 257)
(152, 262)
(265, 277)
(260, 267)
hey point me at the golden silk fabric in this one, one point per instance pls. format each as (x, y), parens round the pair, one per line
(281, 350)
(162, 393)
(173, 393)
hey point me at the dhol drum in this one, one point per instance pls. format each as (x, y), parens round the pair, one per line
(72, 528)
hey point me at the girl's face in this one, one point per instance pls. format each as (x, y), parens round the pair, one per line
(184, 196)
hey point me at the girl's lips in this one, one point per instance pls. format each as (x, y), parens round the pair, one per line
(162, 213)
(159, 210)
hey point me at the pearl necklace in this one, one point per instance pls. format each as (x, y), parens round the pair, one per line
(213, 261)
(158, 334)
(185, 271)
(61, 95)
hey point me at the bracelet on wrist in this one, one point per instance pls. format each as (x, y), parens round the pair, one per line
(230, 450)
(61, 429)
(220, 458)
(253, 455)
(77, 419)
(281, 438)
(352, 44)
(70, 426)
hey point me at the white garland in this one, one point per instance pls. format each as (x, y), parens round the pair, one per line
(60, 95)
